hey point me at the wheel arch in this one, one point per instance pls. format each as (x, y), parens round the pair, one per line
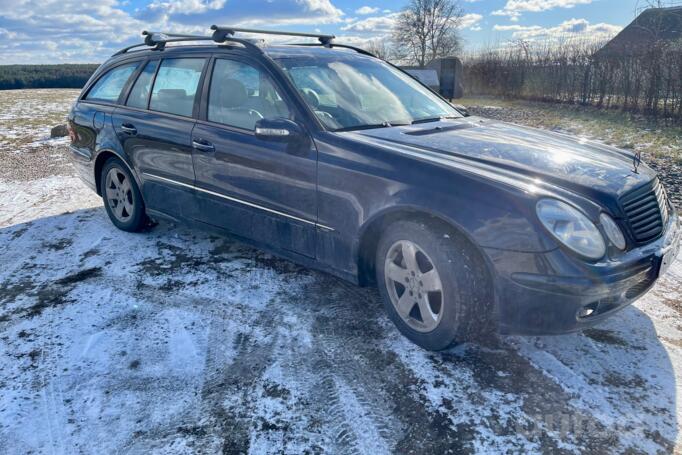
(371, 230)
(102, 157)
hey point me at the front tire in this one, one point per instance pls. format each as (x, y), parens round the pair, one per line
(122, 199)
(434, 284)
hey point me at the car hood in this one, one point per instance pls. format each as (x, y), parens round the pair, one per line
(572, 163)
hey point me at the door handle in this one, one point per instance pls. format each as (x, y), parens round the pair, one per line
(202, 145)
(128, 128)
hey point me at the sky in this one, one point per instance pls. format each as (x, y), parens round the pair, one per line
(77, 31)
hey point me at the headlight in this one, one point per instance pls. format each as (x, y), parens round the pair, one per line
(571, 228)
(612, 231)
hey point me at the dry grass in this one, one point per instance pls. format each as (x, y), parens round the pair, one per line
(26, 116)
(633, 132)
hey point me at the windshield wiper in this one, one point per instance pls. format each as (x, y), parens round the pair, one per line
(433, 119)
(370, 126)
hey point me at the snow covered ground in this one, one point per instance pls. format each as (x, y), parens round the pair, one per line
(176, 341)
(173, 341)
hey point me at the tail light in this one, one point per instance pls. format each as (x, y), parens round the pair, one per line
(73, 136)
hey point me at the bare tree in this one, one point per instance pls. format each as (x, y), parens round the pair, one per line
(380, 48)
(427, 29)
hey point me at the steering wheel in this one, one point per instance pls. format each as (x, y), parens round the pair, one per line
(311, 97)
(324, 115)
(255, 113)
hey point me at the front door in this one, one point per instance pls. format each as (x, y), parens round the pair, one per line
(265, 191)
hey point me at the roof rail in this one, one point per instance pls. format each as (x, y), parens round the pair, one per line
(223, 33)
(158, 40)
(344, 46)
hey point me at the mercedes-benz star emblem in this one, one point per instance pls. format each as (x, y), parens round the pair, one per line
(636, 161)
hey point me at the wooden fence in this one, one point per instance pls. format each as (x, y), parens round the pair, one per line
(649, 83)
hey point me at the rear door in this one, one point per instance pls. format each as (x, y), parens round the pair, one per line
(155, 128)
(264, 191)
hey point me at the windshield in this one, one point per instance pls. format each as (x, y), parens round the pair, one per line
(348, 94)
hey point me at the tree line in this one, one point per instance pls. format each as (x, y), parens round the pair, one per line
(45, 76)
(575, 72)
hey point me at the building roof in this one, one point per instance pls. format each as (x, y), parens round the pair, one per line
(653, 25)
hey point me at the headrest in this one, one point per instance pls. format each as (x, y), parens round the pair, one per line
(232, 93)
(172, 93)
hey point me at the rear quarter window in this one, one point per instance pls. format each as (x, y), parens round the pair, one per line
(108, 87)
(176, 86)
(139, 95)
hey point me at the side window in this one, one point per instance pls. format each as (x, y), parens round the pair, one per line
(108, 87)
(176, 85)
(241, 94)
(140, 93)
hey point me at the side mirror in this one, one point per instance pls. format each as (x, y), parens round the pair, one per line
(278, 130)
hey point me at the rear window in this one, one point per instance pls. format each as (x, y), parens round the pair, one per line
(108, 87)
(139, 95)
(176, 85)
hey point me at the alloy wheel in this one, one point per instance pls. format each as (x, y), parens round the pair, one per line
(414, 286)
(119, 195)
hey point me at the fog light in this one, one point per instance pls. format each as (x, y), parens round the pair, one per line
(587, 310)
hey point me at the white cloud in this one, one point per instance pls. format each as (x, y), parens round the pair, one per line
(358, 40)
(470, 20)
(514, 8)
(251, 13)
(377, 24)
(384, 24)
(4, 33)
(572, 28)
(366, 10)
(186, 6)
(92, 31)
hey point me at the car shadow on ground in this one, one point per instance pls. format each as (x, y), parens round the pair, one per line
(176, 341)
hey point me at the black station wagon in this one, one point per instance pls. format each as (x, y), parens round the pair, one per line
(331, 157)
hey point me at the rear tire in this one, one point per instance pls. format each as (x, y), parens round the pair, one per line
(433, 310)
(122, 199)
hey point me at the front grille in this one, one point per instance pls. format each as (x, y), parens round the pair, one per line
(646, 210)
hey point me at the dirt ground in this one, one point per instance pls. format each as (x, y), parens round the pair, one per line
(174, 341)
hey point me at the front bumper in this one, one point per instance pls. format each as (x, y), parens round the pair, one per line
(554, 292)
